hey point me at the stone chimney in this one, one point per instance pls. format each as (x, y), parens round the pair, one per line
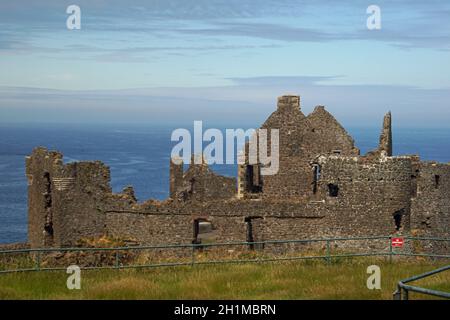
(386, 135)
(288, 103)
(176, 175)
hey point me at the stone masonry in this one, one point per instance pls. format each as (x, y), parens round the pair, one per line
(324, 188)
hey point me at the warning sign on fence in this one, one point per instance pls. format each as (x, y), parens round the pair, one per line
(397, 242)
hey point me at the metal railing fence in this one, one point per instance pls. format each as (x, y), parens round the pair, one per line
(327, 249)
(403, 289)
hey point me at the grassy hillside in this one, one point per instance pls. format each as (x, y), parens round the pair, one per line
(345, 279)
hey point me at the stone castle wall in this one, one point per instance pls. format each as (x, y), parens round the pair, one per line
(324, 189)
(430, 209)
(64, 201)
(372, 191)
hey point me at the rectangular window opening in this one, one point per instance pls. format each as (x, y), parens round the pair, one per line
(333, 190)
(316, 177)
(250, 236)
(437, 179)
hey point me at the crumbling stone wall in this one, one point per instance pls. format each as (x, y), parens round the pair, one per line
(301, 140)
(200, 183)
(80, 205)
(385, 145)
(324, 188)
(374, 191)
(150, 227)
(173, 221)
(65, 201)
(40, 168)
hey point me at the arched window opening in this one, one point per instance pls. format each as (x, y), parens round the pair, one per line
(398, 216)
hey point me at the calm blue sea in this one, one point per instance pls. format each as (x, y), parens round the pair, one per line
(138, 155)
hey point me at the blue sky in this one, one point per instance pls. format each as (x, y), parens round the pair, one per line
(160, 61)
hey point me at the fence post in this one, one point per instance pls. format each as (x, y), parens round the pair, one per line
(405, 294)
(116, 263)
(38, 261)
(391, 249)
(328, 252)
(193, 255)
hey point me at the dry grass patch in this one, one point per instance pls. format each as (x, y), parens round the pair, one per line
(344, 279)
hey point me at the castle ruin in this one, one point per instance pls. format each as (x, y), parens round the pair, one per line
(324, 188)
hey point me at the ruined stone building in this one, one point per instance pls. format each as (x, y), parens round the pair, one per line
(324, 188)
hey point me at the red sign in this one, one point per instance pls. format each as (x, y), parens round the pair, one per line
(397, 242)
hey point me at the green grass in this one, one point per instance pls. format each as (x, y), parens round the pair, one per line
(345, 279)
